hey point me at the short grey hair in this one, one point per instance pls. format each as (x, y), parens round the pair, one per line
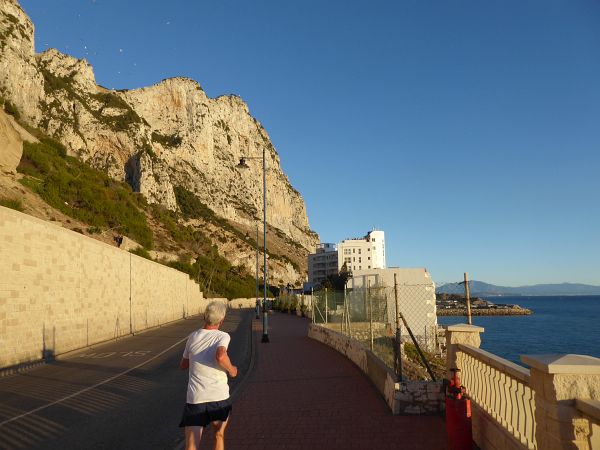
(215, 313)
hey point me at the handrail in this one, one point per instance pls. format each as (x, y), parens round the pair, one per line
(589, 407)
(516, 371)
(501, 389)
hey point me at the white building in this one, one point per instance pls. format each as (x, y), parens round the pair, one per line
(322, 263)
(362, 253)
(416, 298)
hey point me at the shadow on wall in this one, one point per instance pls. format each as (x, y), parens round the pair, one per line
(48, 353)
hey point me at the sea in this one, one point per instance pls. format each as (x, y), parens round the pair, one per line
(559, 324)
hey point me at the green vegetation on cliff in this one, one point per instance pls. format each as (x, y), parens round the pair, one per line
(85, 194)
(90, 196)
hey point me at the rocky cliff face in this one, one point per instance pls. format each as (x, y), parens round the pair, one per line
(156, 138)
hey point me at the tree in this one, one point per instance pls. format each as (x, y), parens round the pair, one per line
(338, 281)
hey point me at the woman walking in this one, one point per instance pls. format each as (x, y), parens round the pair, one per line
(207, 400)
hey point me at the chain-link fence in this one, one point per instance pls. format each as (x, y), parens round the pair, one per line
(407, 342)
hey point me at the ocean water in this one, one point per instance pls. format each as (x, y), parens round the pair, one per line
(559, 324)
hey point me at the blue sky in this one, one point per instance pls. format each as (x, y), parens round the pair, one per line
(472, 128)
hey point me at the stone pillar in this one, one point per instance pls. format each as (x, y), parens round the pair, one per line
(460, 334)
(558, 381)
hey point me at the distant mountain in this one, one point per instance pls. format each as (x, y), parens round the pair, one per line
(479, 288)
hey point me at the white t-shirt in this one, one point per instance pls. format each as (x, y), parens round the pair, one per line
(208, 380)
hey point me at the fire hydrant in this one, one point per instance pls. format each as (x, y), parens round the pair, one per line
(458, 415)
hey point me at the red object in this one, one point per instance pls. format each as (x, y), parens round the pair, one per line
(458, 416)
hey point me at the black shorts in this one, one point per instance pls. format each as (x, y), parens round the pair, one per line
(201, 414)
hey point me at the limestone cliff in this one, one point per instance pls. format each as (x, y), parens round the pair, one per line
(10, 143)
(156, 138)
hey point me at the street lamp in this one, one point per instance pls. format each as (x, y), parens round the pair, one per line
(257, 306)
(243, 165)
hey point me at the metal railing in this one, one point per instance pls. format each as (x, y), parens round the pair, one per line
(407, 342)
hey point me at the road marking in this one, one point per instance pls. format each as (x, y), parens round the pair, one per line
(75, 394)
(109, 354)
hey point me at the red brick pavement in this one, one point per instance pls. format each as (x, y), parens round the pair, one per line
(304, 395)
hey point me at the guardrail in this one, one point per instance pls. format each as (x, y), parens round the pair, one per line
(501, 389)
(553, 405)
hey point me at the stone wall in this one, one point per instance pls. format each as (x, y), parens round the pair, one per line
(361, 330)
(403, 398)
(61, 291)
(239, 303)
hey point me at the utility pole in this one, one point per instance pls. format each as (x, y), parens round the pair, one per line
(370, 312)
(312, 304)
(326, 309)
(398, 343)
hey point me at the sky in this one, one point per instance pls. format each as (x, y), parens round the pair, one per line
(468, 131)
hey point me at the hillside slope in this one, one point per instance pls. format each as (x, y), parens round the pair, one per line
(161, 140)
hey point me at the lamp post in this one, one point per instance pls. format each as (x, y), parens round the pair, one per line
(257, 307)
(242, 165)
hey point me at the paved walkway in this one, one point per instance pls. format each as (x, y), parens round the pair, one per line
(304, 395)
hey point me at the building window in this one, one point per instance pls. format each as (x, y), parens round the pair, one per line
(353, 259)
(359, 259)
(369, 258)
(368, 249)
(359, 267)
(369, 267)
(359, 251)
(353, 250)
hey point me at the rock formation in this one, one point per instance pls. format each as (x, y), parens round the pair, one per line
(156, 138)
(10, 143)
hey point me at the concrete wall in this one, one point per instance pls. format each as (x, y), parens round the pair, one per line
(61, 291)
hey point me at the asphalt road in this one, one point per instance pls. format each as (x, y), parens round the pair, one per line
(127, 394)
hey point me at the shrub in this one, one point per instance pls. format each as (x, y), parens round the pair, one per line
(172, 140)
(12, 203)
(141, 251)
(11, 109)
(81, 192)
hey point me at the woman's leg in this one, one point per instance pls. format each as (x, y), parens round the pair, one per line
(219, 428)
(192, 438)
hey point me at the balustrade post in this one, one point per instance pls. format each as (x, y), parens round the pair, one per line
(558, 381)
(460, 334)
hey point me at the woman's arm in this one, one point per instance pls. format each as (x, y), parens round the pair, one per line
(223, 360)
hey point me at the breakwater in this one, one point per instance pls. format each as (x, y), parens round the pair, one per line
(485, 312)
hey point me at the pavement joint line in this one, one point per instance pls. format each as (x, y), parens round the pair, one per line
(89, 388)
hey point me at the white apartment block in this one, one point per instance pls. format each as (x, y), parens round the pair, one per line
(364, 253)
(322, 263)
